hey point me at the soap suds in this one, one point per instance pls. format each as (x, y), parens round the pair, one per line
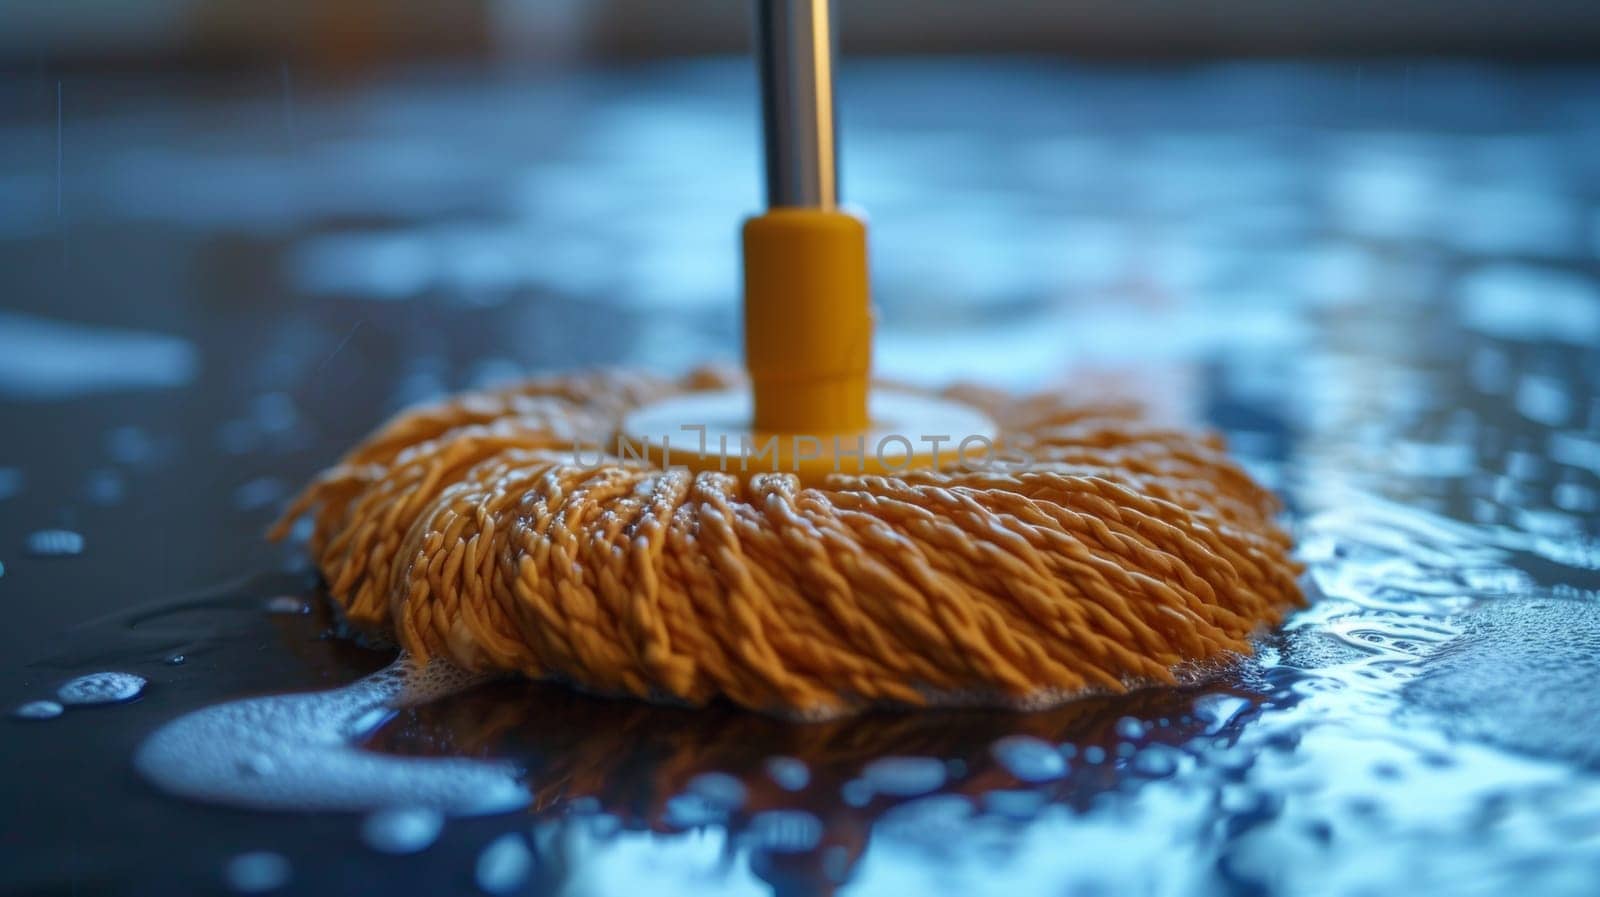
(298, 752)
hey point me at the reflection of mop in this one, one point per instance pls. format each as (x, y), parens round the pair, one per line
(793, 545)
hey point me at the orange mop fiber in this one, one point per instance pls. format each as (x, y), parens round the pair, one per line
(562, 529)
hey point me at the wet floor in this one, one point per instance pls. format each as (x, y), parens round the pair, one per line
(1382, 281)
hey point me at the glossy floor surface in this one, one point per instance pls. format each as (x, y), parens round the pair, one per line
(1382, 281)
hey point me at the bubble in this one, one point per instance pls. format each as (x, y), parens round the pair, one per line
(257, 872)
(505, 865)
(101, 688)
(176, 660)
(55, 543)
(1029, 759)
(789, 773)
(38, 710)
(402, 830)
(1130, 728)
(904, 776)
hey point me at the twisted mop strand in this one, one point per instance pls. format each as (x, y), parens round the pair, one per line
(469, 529)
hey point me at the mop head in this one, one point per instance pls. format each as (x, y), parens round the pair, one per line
(1122, 554)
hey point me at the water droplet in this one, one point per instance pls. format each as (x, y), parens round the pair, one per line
(1094, 755)
(38, 710)
(257, 872)
(101, 688)
(719, 790)
(287, 604)
(55, 543)
(789, 773)
(504, 865)
(1029, 759)
(785, 831)
(905, 776)
(402, 830)
(1130, 728)
(1157, 761)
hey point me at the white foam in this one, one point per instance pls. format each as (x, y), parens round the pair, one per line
(298, 752)
(101, 688)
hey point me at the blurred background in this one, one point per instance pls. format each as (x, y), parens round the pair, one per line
(357, 33)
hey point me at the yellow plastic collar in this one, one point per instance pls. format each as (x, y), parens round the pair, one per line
(807, 321)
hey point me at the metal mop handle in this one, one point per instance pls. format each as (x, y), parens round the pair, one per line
(794, 49)
(807, 310)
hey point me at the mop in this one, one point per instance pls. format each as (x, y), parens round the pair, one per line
(798, 538)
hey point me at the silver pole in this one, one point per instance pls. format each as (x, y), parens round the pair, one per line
(794, 50)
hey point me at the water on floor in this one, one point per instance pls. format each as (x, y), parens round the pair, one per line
(1382, 283)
